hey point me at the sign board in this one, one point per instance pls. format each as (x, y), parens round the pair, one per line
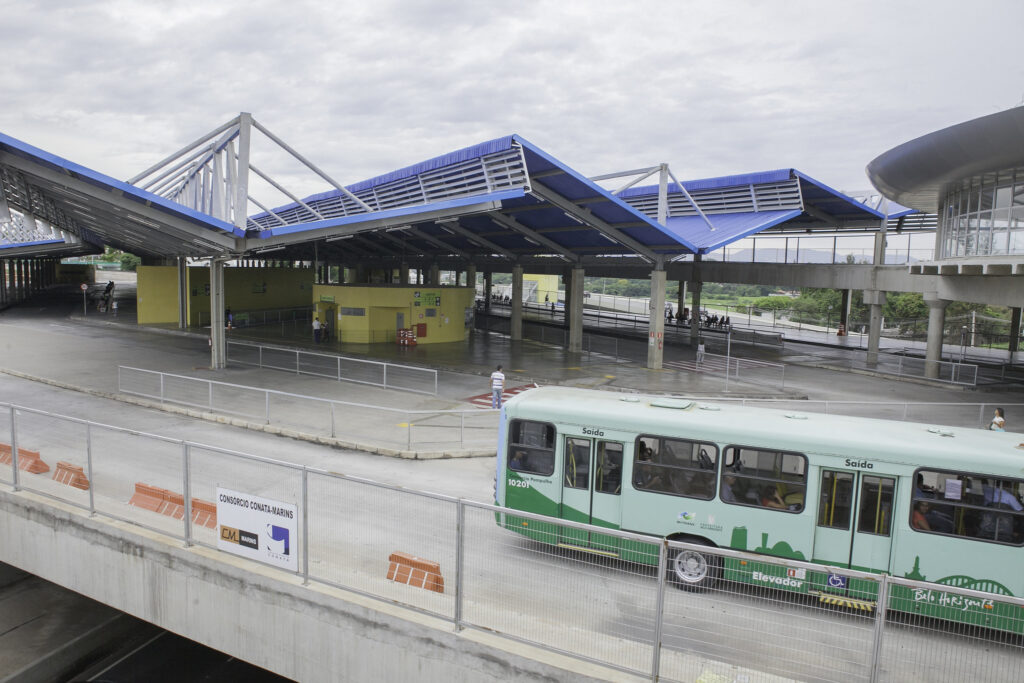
(84, 286)
(257, 528)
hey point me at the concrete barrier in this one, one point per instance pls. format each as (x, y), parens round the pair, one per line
(171, 504)
(405, 568)
(69, 474)
(27, 460)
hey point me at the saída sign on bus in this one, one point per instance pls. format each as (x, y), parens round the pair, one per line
(257, 528)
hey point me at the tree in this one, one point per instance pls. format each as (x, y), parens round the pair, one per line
(130, 262)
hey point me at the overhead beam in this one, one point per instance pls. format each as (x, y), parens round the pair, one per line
(513, 224)
(589, 218)
(439, 243)
(457, 227)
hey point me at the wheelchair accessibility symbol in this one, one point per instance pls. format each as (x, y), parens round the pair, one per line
(837, 581)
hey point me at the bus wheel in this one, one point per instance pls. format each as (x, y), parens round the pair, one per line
(693, 570)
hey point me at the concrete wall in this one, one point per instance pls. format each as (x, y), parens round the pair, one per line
(256, 613)
(157, 294)
(379, 304)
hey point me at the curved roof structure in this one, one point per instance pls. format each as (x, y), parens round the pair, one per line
(84, 210)
(501, 200)
(919, 172)
(738, 206)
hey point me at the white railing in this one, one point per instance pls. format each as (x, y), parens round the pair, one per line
(624, 615)
(359, 423)
(341, 368)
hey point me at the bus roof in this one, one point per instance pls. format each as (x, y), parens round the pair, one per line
(909, 443)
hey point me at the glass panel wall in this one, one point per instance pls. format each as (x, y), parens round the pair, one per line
(984, 216)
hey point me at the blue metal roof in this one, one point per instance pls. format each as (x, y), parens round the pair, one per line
(103, 210)
(729, 227)
(552, 208)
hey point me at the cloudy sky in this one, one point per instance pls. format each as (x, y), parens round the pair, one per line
(712, 88)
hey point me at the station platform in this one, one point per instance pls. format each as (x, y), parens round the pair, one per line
(52, 339)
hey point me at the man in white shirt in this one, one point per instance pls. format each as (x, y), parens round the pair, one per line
(316, 330)
(497, 386)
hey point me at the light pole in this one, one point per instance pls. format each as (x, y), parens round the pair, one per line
(963, 342)
(828, 323)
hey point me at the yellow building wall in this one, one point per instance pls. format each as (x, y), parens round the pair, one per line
(547, 286)
(249, 289)
(157, 294)
(379, 305)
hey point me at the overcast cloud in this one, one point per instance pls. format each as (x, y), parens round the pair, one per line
(712, 88)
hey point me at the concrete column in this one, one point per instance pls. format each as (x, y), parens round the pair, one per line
(567, 280)
(182, 292)
(516, 320)
(681, 304)
(875, 300)
(936, 324)
(844, 311)
(403, 273)
(362, 275)
(695, 288)
(574, 311)
(1014, 332)
(435, 275)
(487, 290)
(656, 321)
(471, 278)
(218, 348)
(3, 281)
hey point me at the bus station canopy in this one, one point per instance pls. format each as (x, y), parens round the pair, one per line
(500, 200)
(67, 209)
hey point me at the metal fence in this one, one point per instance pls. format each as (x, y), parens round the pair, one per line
(377, 373)
(262, 318)
(359, 422)
(759, 618)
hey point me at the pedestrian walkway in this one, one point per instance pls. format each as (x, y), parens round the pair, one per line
(484, 400)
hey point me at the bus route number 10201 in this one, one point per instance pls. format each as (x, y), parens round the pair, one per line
(518, 483)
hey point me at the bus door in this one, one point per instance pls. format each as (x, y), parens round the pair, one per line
(591, 490)
(854, 525)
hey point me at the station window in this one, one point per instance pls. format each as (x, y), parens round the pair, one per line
(969, 505)
(352, 311)
(764, 478)
(531, 447)
(675, 466)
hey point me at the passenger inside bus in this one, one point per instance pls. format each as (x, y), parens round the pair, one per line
(919, 520)
(770, 498)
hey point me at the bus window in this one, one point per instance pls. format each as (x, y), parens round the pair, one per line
(836, 499)
(531, 447)
(577, 463)
(969, 505)
(875, 515)
(769, 479)
(609, 467)
(674, 466)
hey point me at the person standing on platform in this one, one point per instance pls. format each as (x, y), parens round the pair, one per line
(325, 331)
(700, 350)
(316, 330)
(497, 387)
(998, 423)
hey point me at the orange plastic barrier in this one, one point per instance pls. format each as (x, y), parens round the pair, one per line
(405, 568)
(164, 502)
(27, 460)
(69, 474)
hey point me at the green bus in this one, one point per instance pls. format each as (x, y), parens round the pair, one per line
(935, 504)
